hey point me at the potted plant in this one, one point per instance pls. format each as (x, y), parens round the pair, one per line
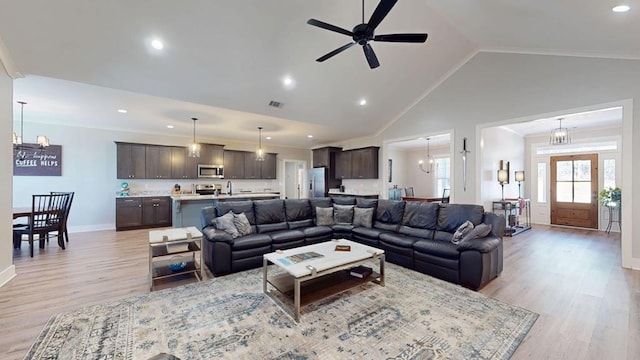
(610, 194)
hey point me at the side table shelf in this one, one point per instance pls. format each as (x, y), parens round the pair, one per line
(517, 214)
(168, 249)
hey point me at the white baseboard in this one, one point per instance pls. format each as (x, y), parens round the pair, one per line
(7, 274)
(87, 228)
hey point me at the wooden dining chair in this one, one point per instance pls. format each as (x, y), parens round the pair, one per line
(67, 208)
(47, 212)
(408, 191)
(445, 196)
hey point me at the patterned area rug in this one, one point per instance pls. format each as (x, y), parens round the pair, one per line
(413, 317)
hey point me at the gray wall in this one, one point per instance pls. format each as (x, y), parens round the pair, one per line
(7, 270)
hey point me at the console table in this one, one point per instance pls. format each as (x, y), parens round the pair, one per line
(517, 213)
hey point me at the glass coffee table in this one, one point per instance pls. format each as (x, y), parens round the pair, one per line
(313, 272)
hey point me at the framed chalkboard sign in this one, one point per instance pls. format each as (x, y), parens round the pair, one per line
(31, 160)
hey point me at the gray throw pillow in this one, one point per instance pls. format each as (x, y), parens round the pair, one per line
(324, 216)
(363, 217)
(225, 223)
(242, 224)
(477, 232)
(462, 230)
(342, 214)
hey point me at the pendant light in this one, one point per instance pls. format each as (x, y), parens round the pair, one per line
(194, 147)
(560, 135)
(421, 164)
(260, 151)
(18, 141)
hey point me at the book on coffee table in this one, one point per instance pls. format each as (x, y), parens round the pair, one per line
(361, 271)
(343, 247)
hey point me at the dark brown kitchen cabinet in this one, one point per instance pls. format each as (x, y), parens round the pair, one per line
(131, 161)
(158, 162)
(251, 165)
(234, 164)
(128, 213)
(364, 163)
(211, 154)
(182, 165)
(268, 166)
(343, 164)
(325, 157)
(156, 211)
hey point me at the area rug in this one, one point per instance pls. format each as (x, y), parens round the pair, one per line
(413, 317)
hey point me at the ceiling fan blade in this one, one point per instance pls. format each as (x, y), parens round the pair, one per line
(329, 27)
(380, 12)
(372, 59)
(408, 38)
(335, 52)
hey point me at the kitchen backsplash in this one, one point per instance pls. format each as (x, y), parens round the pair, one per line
(162, 187)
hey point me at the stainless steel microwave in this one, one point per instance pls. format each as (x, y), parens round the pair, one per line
(211, 171)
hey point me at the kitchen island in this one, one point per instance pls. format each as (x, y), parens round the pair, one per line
(186, 207)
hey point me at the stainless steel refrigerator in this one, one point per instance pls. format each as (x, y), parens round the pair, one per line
(320, 182)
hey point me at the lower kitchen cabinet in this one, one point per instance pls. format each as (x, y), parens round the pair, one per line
(143, 212)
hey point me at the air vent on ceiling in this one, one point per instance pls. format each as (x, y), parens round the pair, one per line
(276, 104)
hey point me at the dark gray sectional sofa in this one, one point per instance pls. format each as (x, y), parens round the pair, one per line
(416, 235)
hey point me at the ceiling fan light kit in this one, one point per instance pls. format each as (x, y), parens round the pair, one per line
(363, 33)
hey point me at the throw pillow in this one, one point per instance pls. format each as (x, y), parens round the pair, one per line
(225, 223)
(363, 217)
(324, 216)
(342, 214)
(462, 230)
(242, 224)
(479, 231)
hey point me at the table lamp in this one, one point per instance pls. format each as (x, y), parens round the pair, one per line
(503, 176)
(519, 178)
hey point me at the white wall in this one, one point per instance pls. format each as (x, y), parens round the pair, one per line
(7, 270)
(89, 169)
(499, 144)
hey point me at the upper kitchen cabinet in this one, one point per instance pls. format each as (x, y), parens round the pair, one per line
(234, 164)
(182, 165)
(343, 164)
(364, 163)
(251, 166)
(268, 166)
(325, 157)
(131, 161)
(211, 154)
(158, 162)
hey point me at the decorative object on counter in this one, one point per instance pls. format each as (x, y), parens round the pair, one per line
(464, 153)
(560, 135)
(194, 147)
(124, 189)
(41, 140)
(176, 189)
(429, 161)
(260, 151)
(395, 193)
(519, 176)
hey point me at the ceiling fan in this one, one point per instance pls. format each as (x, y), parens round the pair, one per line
(363, 33)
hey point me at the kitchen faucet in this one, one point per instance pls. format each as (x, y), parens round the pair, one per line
(230, 187)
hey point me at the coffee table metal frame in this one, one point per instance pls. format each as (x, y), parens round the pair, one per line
(315, 269)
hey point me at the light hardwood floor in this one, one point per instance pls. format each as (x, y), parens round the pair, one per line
(589, 306)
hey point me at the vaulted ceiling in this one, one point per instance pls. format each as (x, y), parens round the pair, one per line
(224, 61)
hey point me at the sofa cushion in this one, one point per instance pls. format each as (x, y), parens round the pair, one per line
(285, 236)
(416, 232)
(398, 240)
(370, 233)
(390, 211)
(342, 214)
(316, 231)
(237, 207)
(342, 228)
(344, 200)
(300, 224)
(419, 214)
(319, 202)
(438, 248)
(363, 217)
(324, 216)
(242, 224)
(366, 203)
(462, 231)
(451, 216)
(297, 209)
(477, 232)
(225, 223)
(265, 228)
(251, 241)
(269, 211)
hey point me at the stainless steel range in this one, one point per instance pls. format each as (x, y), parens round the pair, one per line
(208, 189)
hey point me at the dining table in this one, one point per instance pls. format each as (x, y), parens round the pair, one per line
(422, 198)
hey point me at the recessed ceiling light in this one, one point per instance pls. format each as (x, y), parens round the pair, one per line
(310, 136)
(169, 126)
(268, 138)
(287, 81)
(157, 44)
(621, 8)
(363, 102)
(122, 111)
